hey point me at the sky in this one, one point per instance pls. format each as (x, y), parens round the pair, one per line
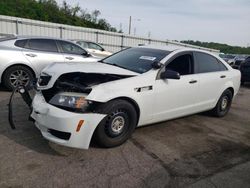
(223, 21)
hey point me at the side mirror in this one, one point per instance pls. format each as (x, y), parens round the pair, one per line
(102, 49)
(169, 74)
(87, 54)
(156, 65)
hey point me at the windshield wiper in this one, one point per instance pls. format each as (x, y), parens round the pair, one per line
(116, 65)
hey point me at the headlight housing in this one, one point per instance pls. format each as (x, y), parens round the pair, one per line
(70, 101)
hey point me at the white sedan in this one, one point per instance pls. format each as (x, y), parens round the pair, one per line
(108, 99)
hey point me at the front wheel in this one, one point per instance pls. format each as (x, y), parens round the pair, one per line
(223, 105)
(118, 125)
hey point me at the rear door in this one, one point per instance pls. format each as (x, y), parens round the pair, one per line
(42, 52)
(213, 75)
(72, 52)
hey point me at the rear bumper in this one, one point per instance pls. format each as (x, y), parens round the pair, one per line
(59, 126)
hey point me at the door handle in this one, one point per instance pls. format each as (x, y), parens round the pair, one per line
(69, 58)
(192, 81)
(31, 55)
(223, 76)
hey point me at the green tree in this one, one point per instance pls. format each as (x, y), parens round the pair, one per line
(49, 10)
(224, 48)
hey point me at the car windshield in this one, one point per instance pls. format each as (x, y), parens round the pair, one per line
(136, 59)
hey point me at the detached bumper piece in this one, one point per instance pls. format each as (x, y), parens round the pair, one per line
(25, 96)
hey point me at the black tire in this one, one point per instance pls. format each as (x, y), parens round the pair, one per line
(121, 111)
(28, 76)
(223, 105)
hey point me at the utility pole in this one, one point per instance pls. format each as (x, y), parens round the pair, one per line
(129, 25)
(149, 34)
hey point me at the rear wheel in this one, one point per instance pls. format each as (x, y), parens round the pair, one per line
(223, 105)
(118, 125)
(17, 75)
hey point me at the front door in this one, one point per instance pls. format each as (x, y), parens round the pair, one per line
(175, 98)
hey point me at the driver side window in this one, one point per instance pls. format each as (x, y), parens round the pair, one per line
(182, 64)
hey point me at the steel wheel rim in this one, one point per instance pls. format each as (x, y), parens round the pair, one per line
(19, 77)
(117, 124)
(224, 103)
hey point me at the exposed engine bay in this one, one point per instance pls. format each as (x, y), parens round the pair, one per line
(74, 82)
(79, 82)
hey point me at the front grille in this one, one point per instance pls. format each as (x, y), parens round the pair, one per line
(60, 134)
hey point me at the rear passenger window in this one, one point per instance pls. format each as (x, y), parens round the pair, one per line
(207, 63)
(43, 45)
(21, 43)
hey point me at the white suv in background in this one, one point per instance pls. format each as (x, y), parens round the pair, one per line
(23, 58)
(93, 48)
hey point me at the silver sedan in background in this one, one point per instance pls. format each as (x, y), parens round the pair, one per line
(93, 48)
(23, 58)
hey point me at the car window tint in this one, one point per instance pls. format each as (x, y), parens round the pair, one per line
(208, 63)
(42, 45)
(71, 48)
(21, 43)
(182, 64)
(94, 46)
(82, 44)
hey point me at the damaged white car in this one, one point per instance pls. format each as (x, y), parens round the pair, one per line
(108, 99)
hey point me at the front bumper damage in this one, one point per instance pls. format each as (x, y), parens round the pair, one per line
(55, 123)
(58, 125)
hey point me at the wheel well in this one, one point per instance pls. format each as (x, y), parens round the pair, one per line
(232, 90)
(135, 105)
(18, 65)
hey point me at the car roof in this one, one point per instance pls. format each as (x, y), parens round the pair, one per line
(35, 37)
(83, 40)
(172, 48)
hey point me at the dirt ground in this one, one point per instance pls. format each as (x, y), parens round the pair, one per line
(195, 151)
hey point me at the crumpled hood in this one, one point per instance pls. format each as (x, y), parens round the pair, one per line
(55, 70)
(86, 67)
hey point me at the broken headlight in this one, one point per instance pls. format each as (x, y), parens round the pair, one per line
(70, 101)
(44, 79)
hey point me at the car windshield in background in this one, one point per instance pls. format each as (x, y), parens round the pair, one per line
(136, 59)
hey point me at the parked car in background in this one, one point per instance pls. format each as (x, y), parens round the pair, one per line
(227, 57)
(22, 58)
(93, 48)
(138, 86)
(245, 70)
(237, 61)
